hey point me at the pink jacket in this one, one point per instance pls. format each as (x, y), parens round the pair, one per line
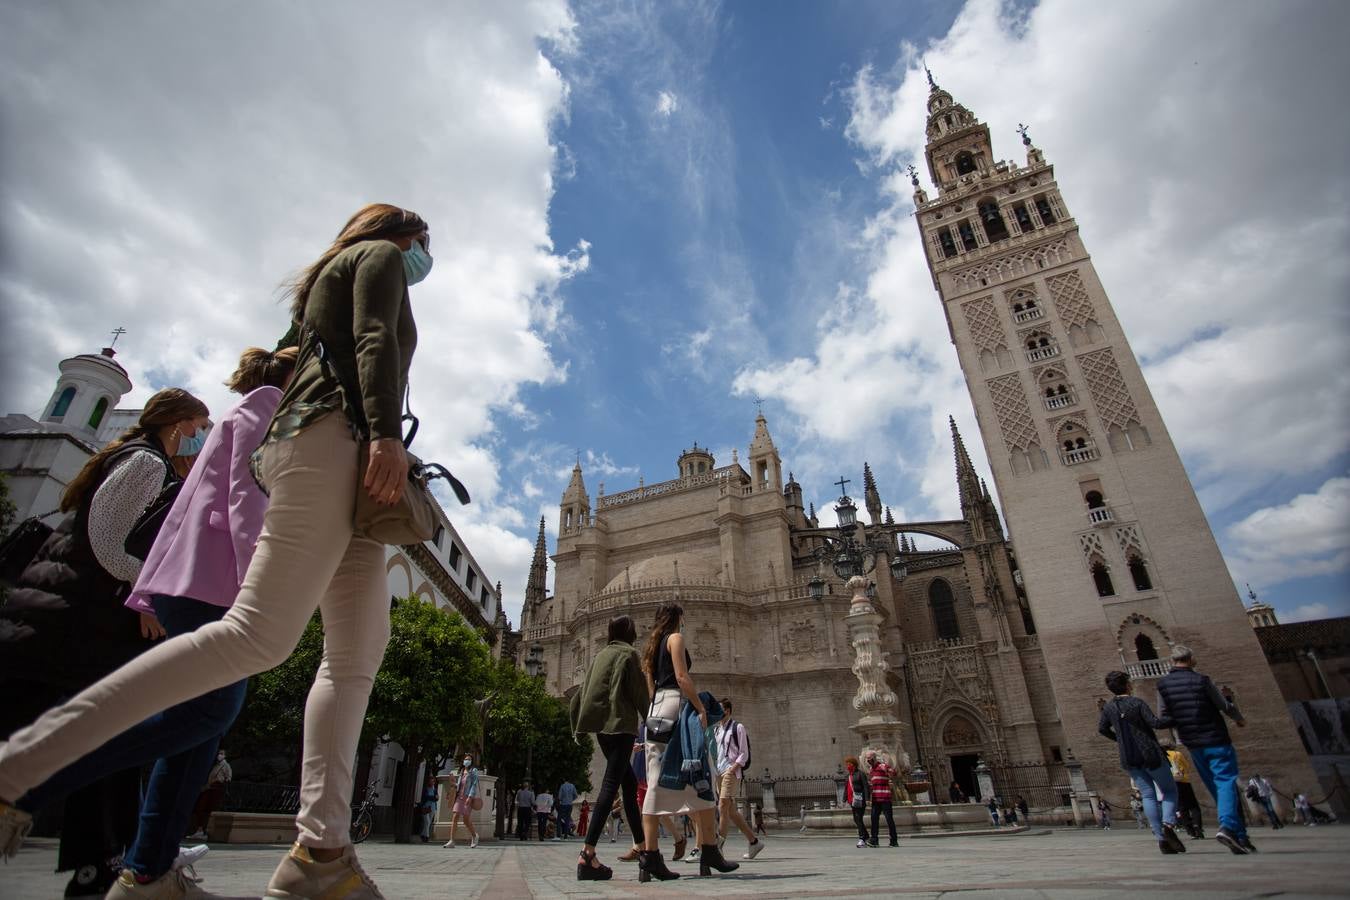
(207, 540)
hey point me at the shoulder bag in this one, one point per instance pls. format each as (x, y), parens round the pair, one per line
(412, 519)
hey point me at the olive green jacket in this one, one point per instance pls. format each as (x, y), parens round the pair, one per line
(614, 698)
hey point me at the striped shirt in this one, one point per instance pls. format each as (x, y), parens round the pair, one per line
(881, 782)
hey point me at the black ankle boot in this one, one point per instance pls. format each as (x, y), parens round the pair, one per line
(651, 865)
(710, 857)
(588, 869)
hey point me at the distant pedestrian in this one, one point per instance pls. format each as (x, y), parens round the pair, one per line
(1188, 807)
(1103, 814)
(567, 796)
(880, 774)
(1198, 708)
(733, 755)
(543, 811)
(466, 792)
(524, 811)
(1303, 809)
(667, 823)
(584, 820)
(1023, 809)
(1129, 722)
(1260, 792)
(759, 819)
(426, 808)
(1137, 809)
(992, 806)
(1010, 815)
(212, 795)
(956, 794)
(856, 790)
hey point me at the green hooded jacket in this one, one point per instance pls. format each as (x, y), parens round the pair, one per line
(614, 698)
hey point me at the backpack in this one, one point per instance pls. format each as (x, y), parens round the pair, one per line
(1253, 793)
(23, 542)
(146, 529)
(731, 726)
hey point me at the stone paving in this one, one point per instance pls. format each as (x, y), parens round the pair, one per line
(1057, 864)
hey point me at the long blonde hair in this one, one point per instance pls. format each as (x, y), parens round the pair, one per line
(374, 221)
(164, 408)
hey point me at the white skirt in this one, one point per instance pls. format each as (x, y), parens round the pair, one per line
(663, 801)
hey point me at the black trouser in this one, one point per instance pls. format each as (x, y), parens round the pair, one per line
(523, 816)
(618, 751)
(879, 807)
(858, 820)
(1188, 808)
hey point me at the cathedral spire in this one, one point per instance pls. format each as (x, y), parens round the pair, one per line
(575, 510)
(536, 587)
(967, 482)
(871, 496)
(766, 468)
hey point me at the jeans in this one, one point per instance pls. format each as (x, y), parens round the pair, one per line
(1269, 807)
(181, 741)
(618, 778)
(523, 816)
(1145, 780)
(564, 820)
(858, 820)
(1218, 769)
(879, 807)
(306, 558)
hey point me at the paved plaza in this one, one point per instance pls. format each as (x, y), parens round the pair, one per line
(1061, 863)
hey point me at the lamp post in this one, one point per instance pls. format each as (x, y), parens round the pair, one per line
(849, 553)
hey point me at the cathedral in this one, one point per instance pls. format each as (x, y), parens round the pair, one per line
(997, 642)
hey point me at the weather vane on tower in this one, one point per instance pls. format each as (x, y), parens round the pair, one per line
(116, 333)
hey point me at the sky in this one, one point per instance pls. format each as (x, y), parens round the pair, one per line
(648, 216)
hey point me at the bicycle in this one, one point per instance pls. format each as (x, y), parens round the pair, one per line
(362, 819)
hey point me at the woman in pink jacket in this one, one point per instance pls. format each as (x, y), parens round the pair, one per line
(190, 578)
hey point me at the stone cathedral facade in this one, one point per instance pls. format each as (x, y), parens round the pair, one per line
(732, 545)
(1118, 560)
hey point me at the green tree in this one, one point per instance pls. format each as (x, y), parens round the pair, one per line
(436, 666)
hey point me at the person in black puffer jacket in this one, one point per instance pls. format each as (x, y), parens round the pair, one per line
(64, 626)
(1129, 722)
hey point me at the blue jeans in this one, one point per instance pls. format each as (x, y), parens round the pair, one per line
(564, 820)
(1218, 769)
(181, 742)
(1145, 780)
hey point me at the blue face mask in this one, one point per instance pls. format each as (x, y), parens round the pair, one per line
(416, 262)
(191, 446)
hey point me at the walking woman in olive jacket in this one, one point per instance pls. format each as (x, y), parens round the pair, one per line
(609, 705)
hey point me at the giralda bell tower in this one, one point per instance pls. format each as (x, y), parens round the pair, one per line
(1116, 555)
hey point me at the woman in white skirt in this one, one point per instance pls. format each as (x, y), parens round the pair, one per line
(666, 661)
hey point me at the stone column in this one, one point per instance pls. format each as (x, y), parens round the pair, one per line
(985, 777)
(770, 801)
(878, 727)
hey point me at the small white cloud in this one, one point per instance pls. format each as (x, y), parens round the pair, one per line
(1307, 612)
(667, 104)
(826, 123)
(1309, 535)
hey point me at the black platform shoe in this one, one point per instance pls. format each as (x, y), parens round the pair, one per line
(710, 857)
(591, 869)
(652, 865)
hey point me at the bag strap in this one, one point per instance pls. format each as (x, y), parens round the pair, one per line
(351, 394)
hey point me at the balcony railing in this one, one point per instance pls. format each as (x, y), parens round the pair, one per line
(1027, 315)
(1041, 353)
(1149, 668)
(1059, 401)
(1081, 455)
(1102, 515)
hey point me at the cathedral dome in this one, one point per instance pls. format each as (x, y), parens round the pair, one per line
(662, 569)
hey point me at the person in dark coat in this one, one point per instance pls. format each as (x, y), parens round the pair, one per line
(71, 595)
(1198, 708)
(858, 788)
(1129, 722)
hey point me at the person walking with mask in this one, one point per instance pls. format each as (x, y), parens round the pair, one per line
(71, 596)
(609, 705)
(733, 754)
(353, 303)
(857, 787)
(1129, 722)
(1198, 708)
(466, 790)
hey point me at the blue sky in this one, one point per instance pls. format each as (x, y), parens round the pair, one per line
(647, 214)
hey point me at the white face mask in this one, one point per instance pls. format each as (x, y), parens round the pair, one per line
(467, 763)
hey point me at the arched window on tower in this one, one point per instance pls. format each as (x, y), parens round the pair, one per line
(1022, 216)
(62, 404)
(96, 417)
(965, 163)
(944, 610)
(1094, 500)
(1139, 572)
(967, 236)
(994, 228)
(1143, 648)
(1101, 577)
(1043, 208)
(948, 245)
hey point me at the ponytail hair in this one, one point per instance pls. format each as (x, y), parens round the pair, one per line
(262, 368)
(374, 221)
(164, 408)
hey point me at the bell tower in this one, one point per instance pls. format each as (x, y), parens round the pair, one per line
(1109, 536)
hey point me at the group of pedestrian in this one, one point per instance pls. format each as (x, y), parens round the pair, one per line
(627, 692)
(231, 579)
(1190, 703)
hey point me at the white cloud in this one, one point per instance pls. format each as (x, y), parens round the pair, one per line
(1184, 153)
(176, 164)
(1308, 612)
(666, 104)
(1309, 535)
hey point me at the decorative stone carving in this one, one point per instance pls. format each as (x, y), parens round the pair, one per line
(707, 644)
(801, 637)
(959, 732)
(1091, 544)
(1107, 387)
(1127, 538)
(985, 328)
(1071, 300)
(1014, 414)
(1011, 265)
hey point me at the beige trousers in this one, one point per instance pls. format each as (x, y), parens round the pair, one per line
(306, 557)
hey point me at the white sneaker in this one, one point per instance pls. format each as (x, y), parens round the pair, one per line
(189, 856)
(693, 855)
(473, 843)
(753, 850)
(450, 844)
(14, 827)
(861, 843)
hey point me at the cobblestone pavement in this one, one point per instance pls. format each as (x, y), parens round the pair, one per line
(1058, 864)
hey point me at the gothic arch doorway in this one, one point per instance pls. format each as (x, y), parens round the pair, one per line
(962, 744)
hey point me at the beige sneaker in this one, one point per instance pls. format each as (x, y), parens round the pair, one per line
(300, 877)
(14, 827)
(176, 885)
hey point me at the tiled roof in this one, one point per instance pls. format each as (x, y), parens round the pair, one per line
(1319, 634)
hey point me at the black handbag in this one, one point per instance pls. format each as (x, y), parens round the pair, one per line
(147, 527)
(23, 542)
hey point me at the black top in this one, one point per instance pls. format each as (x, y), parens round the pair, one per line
(665, 666)
(1197, 706)
(1129, 722)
